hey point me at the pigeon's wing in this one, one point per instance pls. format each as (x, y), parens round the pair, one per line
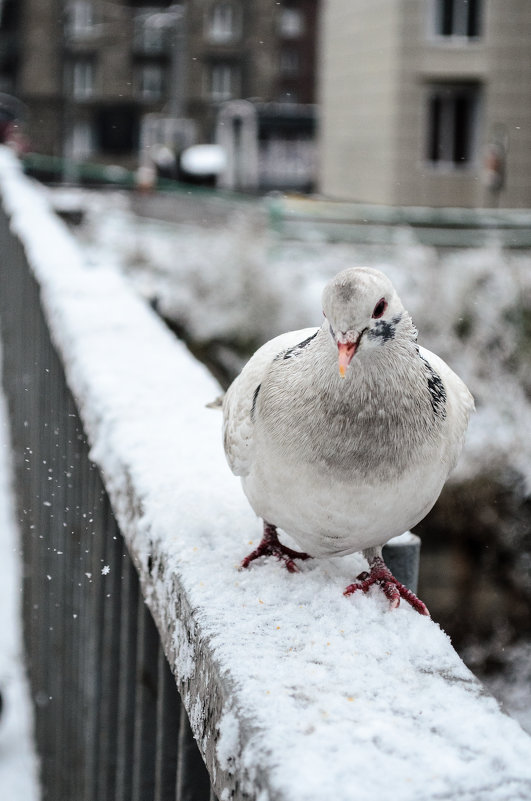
(240, 399)
(458, 402)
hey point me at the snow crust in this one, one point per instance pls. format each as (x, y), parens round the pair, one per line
(332, 697)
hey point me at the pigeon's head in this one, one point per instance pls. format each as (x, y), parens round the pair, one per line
(361, 308)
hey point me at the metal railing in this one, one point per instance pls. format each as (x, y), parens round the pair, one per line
(336, 221)
(110, 724)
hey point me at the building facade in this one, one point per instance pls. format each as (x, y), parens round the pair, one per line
(95, 74)
(426, 102)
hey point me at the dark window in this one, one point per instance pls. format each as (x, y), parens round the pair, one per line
(458, 18)
(9, 15)
(446, 19)
(149, 3)
(117, 130)
(462, 129)
(290, 61)
(434, 128)
(452, 122)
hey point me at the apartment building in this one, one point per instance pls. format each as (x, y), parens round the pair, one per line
(91, 72)
(426, 102)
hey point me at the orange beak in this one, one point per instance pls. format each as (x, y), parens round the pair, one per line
(346, 352)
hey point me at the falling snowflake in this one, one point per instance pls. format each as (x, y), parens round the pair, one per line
(105, 570)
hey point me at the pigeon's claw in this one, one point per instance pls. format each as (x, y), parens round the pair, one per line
(392, 593)
(391, 587)
(270, 546)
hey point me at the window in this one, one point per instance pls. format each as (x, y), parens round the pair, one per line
(150, 81)
(81, 144)
(152, 31)
(452, 124)
(116, 130)
(80, 17)
(223, 23)
(224, 82)
(80, 78)
(291, 23)
(457, 18)
(9, 15)
(289, 61)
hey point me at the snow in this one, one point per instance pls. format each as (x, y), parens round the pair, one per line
(229, 740)
(18, 762)
(332, 697)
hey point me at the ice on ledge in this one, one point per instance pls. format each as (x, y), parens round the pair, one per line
(332, 697)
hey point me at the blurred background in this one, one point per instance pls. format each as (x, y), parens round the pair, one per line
(240, 152)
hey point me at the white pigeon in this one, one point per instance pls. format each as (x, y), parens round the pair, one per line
(344, 435)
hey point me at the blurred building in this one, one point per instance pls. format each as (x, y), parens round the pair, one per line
(426, 102)
(101, 78)
(267, 145)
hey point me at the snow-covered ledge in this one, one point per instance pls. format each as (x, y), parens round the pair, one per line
(294, 692)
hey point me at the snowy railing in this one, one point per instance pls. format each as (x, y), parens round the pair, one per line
(293, 692)
(110, 722)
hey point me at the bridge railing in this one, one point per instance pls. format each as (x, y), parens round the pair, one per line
(150, 655)
(110, 722)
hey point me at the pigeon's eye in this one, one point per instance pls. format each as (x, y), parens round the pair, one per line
(379, 309)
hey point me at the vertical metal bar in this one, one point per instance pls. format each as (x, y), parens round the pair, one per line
(168, 711)
(146, 706)
(75, 479)
(111, 572)
(93, 675)
(57, 587)
(403, 561)
(46, 570)
(193, 781)
(128, 670)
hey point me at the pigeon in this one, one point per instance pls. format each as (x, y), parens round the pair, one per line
(344, 435)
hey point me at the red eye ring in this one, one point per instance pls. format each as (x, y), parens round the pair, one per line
(380, 308)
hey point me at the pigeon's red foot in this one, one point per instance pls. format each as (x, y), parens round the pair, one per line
(270, 546)
(393, 589)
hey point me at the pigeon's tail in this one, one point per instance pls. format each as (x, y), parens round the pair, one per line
(217, 403)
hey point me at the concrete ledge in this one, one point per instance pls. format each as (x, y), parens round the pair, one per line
(293, 691)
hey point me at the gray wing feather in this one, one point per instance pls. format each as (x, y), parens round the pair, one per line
(459, 405)
(240, 400)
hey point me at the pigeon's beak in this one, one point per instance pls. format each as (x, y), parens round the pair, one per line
(346, 352)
